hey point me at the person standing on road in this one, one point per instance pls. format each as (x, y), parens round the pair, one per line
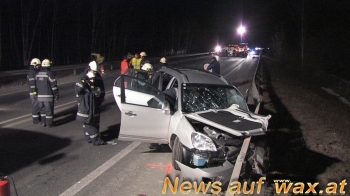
(33, 93)
(135, 63)
(143, 58)
(99, 85)
(46, 84)
(124, 69)
(88, 108)
(93, 67)
(163, 61)
(214, 66)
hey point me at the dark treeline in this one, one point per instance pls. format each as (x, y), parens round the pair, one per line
(312, 34)
(68, 31)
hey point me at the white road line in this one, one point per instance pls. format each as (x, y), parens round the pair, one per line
(26, 90)
(18, 121)
(29, 115)
(100, 170)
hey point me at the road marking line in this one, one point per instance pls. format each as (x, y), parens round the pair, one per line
(100, 170)
(26, 90)
(57, 109)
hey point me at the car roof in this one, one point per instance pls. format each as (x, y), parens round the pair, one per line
(195, 76)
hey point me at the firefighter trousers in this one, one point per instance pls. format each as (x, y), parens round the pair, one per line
(35, 110)
(47, 112)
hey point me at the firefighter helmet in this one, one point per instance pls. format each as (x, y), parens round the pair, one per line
(90, 75)
(143, 54)
(163, 60)
(147, 67)
(35, 62)
(46, 63)
(93, 65)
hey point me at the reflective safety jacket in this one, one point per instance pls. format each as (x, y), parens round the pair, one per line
(136, 63)
(31, 80)
(46, 84)
(88, 108)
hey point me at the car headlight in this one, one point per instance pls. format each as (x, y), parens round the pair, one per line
(202, 142)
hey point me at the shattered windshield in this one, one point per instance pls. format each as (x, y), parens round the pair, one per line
(201, 97)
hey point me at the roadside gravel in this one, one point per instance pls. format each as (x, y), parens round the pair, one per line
(309, 131)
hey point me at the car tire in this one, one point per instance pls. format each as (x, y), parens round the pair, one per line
(179, 154)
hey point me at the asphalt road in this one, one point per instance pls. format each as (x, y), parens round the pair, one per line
(58, 161)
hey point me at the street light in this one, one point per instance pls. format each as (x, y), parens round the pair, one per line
(241, 30)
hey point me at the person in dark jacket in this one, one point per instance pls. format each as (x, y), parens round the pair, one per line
(88, 108)
(33, 93)
(93, 66)
(46, 84)
(98, 82)
(214, 66)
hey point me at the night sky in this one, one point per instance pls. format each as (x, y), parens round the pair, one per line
(67, 31)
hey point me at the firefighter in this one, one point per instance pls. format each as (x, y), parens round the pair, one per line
(98, 79)
(143, 58)
(46, 84)
(88, 108)
(33, 93)
(98, 83)
(163, 61)
(147, 72)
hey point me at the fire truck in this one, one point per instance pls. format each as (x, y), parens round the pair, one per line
(235, 50)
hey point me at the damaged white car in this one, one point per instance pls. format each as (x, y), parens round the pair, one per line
(200, 115)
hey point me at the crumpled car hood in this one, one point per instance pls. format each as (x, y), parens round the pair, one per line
(236, 122)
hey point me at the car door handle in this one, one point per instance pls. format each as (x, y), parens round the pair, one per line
(130, 113)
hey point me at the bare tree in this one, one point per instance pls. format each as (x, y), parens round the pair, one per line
(0, 41)
(97, 16)
(29, 15)
(277, 41)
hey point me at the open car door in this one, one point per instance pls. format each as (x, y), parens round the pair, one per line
(145, 113)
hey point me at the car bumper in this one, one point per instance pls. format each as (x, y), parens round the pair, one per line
(221, 173)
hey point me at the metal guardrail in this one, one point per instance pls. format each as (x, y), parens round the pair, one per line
(112, 65)
(338, 85)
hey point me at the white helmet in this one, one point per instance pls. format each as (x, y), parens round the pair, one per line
(90, 75)
(147, 67)
(35, 62)
(163, 60)
(143, 54)
(46, 63)
(93, 65)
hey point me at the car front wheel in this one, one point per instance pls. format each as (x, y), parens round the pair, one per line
(180, 154)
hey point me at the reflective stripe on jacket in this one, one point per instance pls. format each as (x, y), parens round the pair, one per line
(46, 84)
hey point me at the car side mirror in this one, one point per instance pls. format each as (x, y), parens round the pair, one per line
(166, 107)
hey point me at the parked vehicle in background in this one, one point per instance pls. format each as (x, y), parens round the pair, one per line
(235, 50)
